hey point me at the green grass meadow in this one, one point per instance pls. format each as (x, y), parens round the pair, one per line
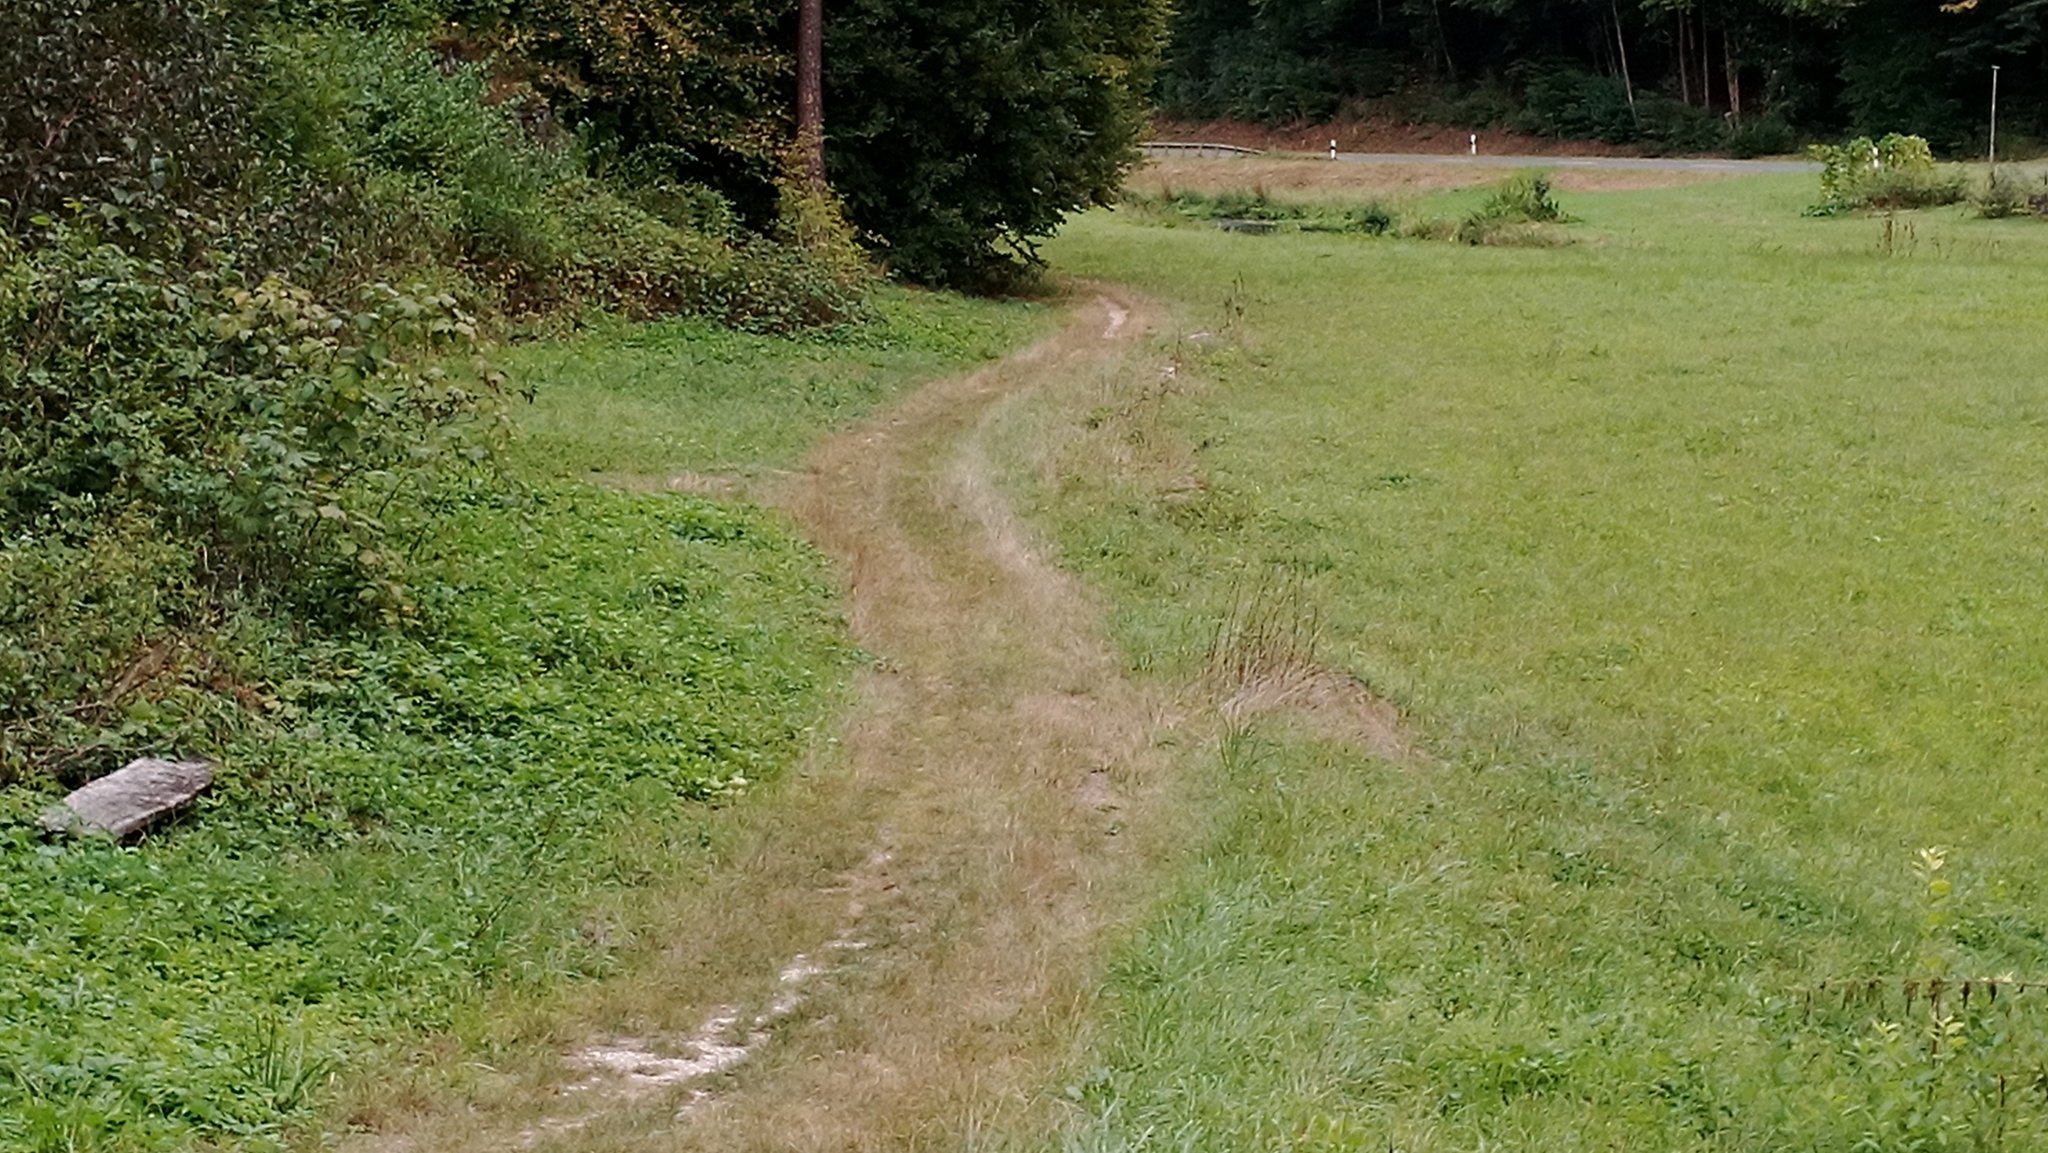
(418, 825)
(648, 400)
(1706, 555)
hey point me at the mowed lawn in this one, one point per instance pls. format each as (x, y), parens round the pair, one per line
(1707, 557)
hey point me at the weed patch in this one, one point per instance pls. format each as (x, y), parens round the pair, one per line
(1520, 211)
(1371, 218)
(410, 823)
(2006, 193)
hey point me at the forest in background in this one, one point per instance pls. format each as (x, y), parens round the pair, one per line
(1750, 76)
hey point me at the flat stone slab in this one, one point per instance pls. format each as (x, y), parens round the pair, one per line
(129, 800)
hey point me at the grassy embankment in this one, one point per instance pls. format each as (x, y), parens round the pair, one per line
(414, 831)
(1704, 554)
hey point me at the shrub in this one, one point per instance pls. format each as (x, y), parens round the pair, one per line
(354, 109)
(180, 442)
(1890, 173)
(1481, 106)
(1368, 219)
(2004, 194)
(425, 143)
(1569, 102)
(136, 106)
(631, 262)
(1767, 136)
(1667, 125)
(1526, 197)
(1514, 213)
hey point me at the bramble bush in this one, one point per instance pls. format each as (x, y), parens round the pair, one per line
(183, 441)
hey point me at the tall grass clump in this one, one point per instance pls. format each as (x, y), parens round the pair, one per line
(1516, 211)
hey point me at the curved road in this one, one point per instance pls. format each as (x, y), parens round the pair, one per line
(1604, 163)
(1488, 160)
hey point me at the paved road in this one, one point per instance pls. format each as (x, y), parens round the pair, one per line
(1488, 160)
(1602, 163)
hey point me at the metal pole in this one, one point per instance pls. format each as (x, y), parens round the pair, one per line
(1994, 116)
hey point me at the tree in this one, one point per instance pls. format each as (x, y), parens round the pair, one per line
(1676, 74)
(810, 89)
(687, 91)
(964, 131)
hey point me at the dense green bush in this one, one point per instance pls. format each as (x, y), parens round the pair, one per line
(213, 400)
(136, 107)
(965, 131)
(1570, 103)
(507, 192)
(246, 443)
(1768, 136)
(343, 106)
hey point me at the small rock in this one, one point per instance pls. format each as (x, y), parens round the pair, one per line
(131, 799)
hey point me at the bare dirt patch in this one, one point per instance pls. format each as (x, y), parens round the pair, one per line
(1305, 179)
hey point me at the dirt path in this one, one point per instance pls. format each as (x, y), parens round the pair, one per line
(1004, 754)
(899, 947)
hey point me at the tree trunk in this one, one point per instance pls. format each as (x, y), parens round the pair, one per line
(1443, 40)
(1706, 63)
(1684, 65)
(810, 89)
(1628, 84)
(1734, 79)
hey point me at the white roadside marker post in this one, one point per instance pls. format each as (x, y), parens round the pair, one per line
(1475, 144)
(1333, 150)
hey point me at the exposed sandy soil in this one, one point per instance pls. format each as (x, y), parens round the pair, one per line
(1310, 179)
